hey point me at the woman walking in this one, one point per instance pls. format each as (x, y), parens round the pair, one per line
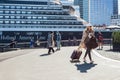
(88, 33)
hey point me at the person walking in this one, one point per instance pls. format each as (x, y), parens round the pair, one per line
(31, 43)
(88, 33)
(100, 40)
(58, 40)
(74, 41)
(50, 42)
(38, 43)
(69, 42)
(13, 43)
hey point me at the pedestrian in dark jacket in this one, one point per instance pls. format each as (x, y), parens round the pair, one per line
(50, 42)
(13, 43)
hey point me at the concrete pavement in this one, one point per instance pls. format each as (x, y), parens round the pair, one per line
(35, 64)
(109, 53)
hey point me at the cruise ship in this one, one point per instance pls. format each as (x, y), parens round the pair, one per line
(23, 20)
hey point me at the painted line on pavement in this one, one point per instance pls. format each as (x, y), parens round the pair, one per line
(96, 53)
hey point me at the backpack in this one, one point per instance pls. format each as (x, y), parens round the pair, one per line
(100, 37)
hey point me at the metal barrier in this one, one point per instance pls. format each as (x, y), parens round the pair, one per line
(43, 44)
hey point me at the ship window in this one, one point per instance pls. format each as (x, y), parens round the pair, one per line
(39, 7)
(12, 22)
(7, 7)
(12, 12)
(12, 17)
(29, 7)
(20, 26)
(34, 22)
(29, 17)
(38, 22)
(34, 17)
(12, 7)
(18, 17)
(34, 7)
(1, 17)
(18, 12)
(18, 22)
(23, 7)
(22, 21)
(28, 26)
(1, 22)
(18, 7)
(44, 18)
(7, 22)
(17, 26)
(7, 17)
(7, 12)
(1, 12)
(29, 12)
(44, 7)
(29, 22)
(23, 12)
(39, 17)
(1, 7)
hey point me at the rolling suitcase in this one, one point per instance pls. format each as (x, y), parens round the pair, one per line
(76, 55)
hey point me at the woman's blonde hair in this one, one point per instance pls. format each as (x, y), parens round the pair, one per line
(89, 28)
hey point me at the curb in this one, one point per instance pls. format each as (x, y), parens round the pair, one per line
(106, 58)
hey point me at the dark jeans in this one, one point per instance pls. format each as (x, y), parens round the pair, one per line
(88, 51)
(50, 48)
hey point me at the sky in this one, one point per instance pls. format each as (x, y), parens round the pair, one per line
(70, 0)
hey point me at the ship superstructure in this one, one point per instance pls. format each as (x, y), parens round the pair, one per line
(19, 16)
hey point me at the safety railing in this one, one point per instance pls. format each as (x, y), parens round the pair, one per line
(43, 44)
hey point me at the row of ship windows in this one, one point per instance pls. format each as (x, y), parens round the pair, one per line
(30, 2)
(115, 21)
(41, 22)
(115, 17)
(38, 17)
(33, 12)
(30, 7)
(41, 27)
(116, 24)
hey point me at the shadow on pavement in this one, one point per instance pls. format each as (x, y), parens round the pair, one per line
(100, 49)
(84, 67)
(46, 54)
